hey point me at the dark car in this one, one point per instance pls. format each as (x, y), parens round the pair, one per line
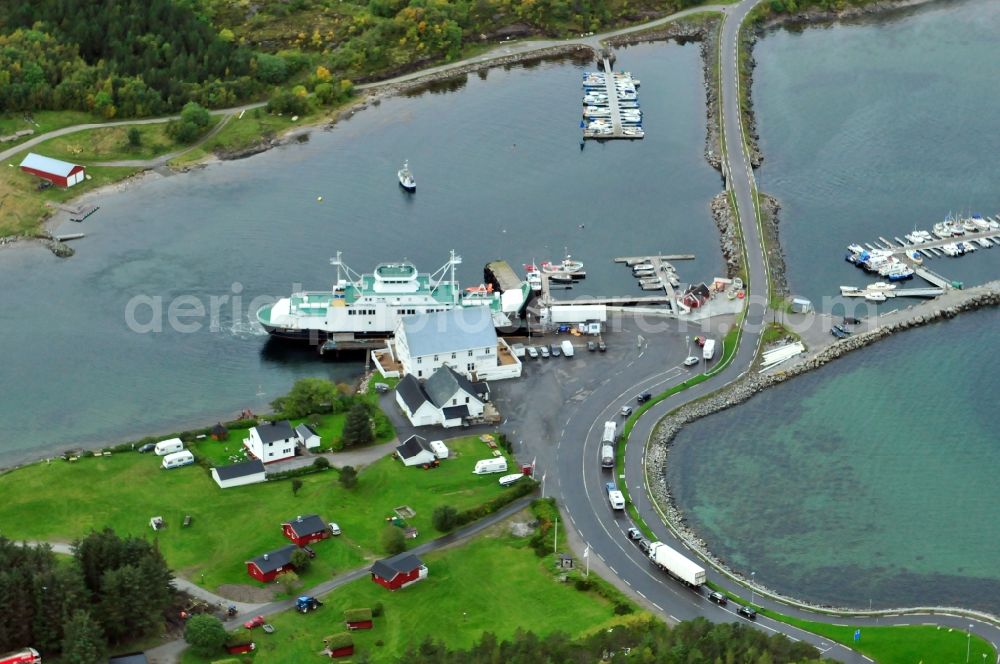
(601, 346)
(747, 612)
(718, 598)
(644, 544)
(309, 551)
(592, 346)
(148, 447)
(554, 350)
(634, 533)
(644, 397)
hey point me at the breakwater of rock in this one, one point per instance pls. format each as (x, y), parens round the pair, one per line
(706, 33)
(949, 305)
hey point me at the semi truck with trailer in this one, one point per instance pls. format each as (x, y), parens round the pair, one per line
(677, 565)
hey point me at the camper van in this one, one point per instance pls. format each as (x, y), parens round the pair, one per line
(178, 459)
(486, 466)
(708, 350)
(165, 447)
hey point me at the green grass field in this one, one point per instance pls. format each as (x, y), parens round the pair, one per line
(111, 143)
(494, 583)
(233, 525)
(241, 133)
(23, 207)
(903, 644)
(46, 122)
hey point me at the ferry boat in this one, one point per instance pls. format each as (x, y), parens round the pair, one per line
(406, 180)
(370, 305)
(567, 266)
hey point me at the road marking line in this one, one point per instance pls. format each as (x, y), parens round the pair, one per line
(612, 568)
(639, 592)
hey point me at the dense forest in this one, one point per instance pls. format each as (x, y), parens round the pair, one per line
(651, 642)
(112, 590)
(132, 58)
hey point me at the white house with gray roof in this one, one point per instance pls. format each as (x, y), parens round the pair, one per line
(461, 338)
(272, 441)
(447, 398)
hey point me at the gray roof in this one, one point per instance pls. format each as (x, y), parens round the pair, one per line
(304, 431)
(243, 469)
(461, 328)
(443, 384)
(47, 164)
(453, 412)
(412, 392)
(402, 563)
(275, 559)
(275, 431)
(413, 446)
(307, 525)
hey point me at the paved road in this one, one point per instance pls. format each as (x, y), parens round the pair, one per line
(577, 473)
(500, 52)
(170, 652)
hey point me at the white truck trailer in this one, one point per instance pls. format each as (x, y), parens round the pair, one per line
(578, 313)
(676, 565)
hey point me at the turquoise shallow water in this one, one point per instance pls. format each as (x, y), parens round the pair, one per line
(872, 479)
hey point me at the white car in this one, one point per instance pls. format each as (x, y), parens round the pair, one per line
(334, 529)
(532, 352)
(691, 360)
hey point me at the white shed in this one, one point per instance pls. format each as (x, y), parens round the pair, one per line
(307, 436)
(238, 474)
(415, 452)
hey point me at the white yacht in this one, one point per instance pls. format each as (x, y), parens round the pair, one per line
(406, 180)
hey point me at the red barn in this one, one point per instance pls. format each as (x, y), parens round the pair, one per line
(59, 173)
(399, 571)
(305, 529)
(269, 565)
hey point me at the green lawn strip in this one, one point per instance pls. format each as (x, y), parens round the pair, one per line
(330, 429)
(729, 345)
(112, 144)
(46, 121)
(887, 644)
(230, 526)
(24, 207)
(494, 583)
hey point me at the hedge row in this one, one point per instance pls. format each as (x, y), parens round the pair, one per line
(522, 488)
(319, 465)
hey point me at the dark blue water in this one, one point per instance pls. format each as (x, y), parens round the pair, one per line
(877, 128)
(500, 174)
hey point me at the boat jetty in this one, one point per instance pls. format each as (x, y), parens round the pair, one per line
(611, 105)
(901, 259)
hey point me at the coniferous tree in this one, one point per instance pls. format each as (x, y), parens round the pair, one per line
(84, 642)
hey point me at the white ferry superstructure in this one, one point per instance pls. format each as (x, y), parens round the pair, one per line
(370, 305)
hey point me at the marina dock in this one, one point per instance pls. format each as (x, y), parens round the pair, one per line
(606, 94)
(899, 259)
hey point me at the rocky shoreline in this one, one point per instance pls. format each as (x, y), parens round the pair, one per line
(706, 33)
(657, 452)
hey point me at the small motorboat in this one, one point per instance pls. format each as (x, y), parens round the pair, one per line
(875, 296)
(406, 180)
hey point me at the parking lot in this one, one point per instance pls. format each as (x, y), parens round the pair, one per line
(536, 407)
